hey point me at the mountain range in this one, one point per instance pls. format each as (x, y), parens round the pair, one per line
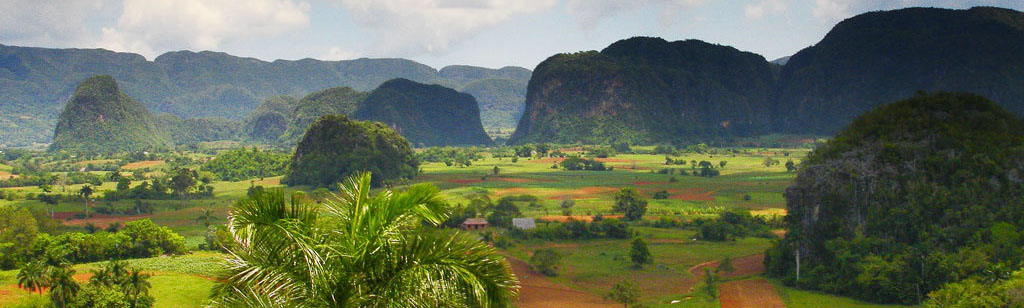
(646, 90)
(638, 90)
(35, 83)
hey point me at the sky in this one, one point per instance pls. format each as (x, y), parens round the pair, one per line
(488, 33)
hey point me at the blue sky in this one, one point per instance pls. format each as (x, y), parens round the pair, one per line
(489, 33)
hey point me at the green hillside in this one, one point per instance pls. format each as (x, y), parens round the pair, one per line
(336, 147)
(99, 118)
(501, 101)
(910, 196)
(645, 90)
(885, 56)
(427, 115)
(35, 82)
(339, 100)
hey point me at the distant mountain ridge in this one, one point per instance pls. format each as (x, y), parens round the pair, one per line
(35, 82)
(880, 57)
(647, 90)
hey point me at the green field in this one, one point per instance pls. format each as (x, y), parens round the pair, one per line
(795, 298)
(180, 281)
(588, 265)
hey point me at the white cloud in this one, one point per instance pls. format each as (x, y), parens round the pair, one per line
(337, 53)
(47, 23)
(761, 8)
(411, 27)
(149, 26)
(831, 10)
(589, 12)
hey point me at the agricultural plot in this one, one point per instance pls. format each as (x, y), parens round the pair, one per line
(590, 267)
(182, 281)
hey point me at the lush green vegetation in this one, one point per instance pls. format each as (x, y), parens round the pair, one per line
(880, 57)
(101, 118)
(911, 196)
(427, 115)
(355, 250)
(501, 101)
(23, 242)
(242, 164)
(200, 84)
(340, 100)
(646, 90)
(335, 147)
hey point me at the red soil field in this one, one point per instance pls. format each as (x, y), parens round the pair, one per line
(745, 266)
(100, 220)
(583, 193)
(694, 194)
(585, 218)
(538, 292)
(755, 293)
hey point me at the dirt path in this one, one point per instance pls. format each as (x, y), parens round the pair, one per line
(754, 293)
(745, 266)
(538, 292)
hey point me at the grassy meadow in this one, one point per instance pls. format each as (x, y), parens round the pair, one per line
(591, 266)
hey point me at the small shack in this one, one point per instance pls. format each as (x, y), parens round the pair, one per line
(473, 224)
(524, 223)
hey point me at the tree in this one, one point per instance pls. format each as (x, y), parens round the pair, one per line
(710, 283)
(357, 251)
(182, 182)
(51, 201)
(790, 166)
(629, 202)
(495, 170)
(137, 286)
(545, 261)
(33, 277)
(85, 192)
(725, 266)
(768, 162)
(722, 164)
(123, 184)
(206, 216)
(567, 205)
(503, 212)
(114, 176)
(63, 287)
(639, 253)
(624, 293)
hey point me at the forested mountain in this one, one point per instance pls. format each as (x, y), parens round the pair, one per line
(910, 196)
(645, 90)
(427, 115)
(884, 56)
(35, 82)
(100, 118)
(339, 100)
(501, 101)
(335, 147)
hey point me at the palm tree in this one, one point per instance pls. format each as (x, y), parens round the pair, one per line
(63, 287)
(136, 285)
(33, 277)
(206, 217)
(113, 273)
(86, 191)
(357, 251)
